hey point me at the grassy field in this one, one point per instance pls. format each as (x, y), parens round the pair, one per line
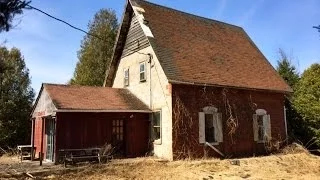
(297, 165)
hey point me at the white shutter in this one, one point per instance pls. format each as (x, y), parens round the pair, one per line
(215, 125)
(202, 138)
(220, 130)
(267, 126)
(255, 127)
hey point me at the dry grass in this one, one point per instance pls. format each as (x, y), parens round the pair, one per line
(284, 166)
(292, 163)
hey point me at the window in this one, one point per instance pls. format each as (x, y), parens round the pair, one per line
(117, 129)
(126, 77)
(210, 126)
(210, 123)
(261, 126)
(156, 124)
(142, 72)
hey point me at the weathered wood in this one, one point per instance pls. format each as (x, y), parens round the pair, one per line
(136, 39)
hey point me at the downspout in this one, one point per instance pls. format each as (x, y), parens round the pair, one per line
(215, 149)
(150, 84)
(285, 122)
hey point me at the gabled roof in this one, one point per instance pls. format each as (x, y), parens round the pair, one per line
(86, 98)
(201, 51)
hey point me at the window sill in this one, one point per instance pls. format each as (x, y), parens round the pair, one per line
(142, 81)
(157, 142)
(214, 143)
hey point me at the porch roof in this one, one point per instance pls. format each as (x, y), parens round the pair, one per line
(73, 98)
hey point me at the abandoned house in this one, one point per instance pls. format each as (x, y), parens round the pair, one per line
(178, 86)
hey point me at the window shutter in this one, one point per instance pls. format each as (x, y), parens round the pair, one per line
(255, 127)
(202, 138)
(215, 125)
(220, 130)
(267, 126)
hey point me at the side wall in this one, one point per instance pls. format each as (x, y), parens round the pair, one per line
(87, 130)
(155, 92)
(38, 136)
(188, 101)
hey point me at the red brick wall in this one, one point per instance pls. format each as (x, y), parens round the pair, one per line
(187, 101)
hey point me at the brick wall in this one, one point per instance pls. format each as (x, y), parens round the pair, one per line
(187, 101)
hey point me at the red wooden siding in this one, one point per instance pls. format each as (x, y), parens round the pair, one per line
(85, 130)
(37, 137)
(243, 103)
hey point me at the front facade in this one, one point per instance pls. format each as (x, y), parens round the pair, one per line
(201, 91)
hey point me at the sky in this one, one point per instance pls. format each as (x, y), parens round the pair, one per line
(50, 47)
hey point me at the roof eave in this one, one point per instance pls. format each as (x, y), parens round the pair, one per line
(226, 86)
(104, 110)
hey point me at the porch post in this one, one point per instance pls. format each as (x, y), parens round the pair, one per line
(32, 139)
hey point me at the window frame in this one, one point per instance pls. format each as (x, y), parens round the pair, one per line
(261, 115)
(159, 140)
(144, 71)
(126, 79)
(216, 122)
(215, 142)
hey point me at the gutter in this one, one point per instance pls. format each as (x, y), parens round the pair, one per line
(234, 87)
(98, 111)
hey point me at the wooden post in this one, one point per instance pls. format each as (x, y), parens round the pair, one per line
(42, 135)
(32, 139)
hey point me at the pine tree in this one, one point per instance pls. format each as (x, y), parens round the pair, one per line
(307, 100)
(297, 128)
(16, 97)
(95, 53)
(8, 10)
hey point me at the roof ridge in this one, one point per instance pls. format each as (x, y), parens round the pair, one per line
(187, 13)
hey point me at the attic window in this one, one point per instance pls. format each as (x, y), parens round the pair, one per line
(142, 72)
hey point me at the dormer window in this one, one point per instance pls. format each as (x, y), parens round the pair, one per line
(142, 72)
(126, 77)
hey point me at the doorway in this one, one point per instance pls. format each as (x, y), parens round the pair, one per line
(50, 129)
(118, 136)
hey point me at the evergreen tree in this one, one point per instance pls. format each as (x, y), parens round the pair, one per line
(307, 100)
(287, 70)
(16, 97)
(297, 128)
(8, 10)
(95, 53)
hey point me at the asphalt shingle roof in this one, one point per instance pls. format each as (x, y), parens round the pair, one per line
(69, 97)
(193, 49)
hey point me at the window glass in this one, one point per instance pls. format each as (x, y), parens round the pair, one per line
(157, 125)
(142, 72)
(126, 77)
(209, 128)
(260, 128)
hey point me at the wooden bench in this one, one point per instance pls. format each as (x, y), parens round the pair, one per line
(25, 151)
(73, 156)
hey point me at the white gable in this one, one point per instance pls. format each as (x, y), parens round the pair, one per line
(44, 106)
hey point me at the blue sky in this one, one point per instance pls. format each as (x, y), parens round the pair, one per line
(50, 47)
